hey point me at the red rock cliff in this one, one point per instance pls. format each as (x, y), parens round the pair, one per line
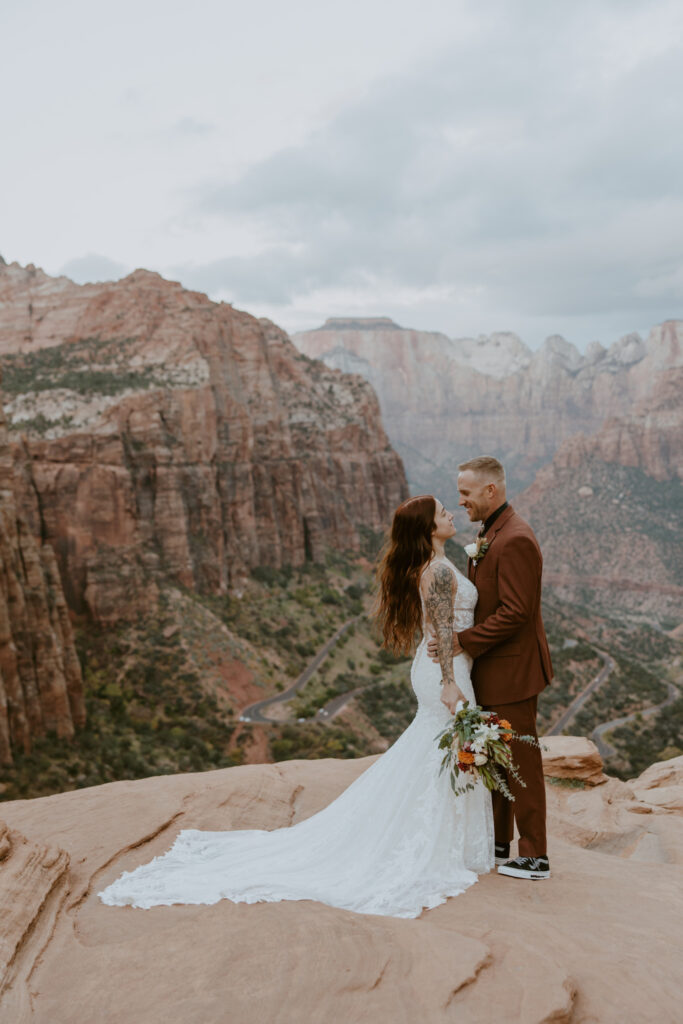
(607, 509)
(40, 676)
(166, 434)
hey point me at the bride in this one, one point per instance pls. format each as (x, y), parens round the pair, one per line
(396, 840)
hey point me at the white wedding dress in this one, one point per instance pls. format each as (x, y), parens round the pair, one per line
(397, 840)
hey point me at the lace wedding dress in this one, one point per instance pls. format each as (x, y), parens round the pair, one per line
(397, 840)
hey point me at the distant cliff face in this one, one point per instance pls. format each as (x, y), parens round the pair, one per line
(40, 676)
(160, 433)
(608, 510)
(444, 400)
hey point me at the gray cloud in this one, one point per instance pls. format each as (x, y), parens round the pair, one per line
(93, 267)
(192, 126)
(531, 165)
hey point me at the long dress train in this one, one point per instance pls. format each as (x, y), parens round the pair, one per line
(395, 841)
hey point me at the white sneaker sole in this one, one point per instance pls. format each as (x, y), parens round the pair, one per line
(535, 875)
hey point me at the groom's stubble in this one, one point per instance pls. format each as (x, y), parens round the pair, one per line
(479, 494)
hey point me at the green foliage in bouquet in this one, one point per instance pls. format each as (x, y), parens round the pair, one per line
(477, 746)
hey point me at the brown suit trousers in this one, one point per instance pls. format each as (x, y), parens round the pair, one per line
(528, 809)
(512, 665)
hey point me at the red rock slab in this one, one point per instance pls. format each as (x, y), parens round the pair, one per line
(28, 874)
(572, 757)
(598, 942)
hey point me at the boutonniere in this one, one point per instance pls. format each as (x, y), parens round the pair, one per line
(477, 550)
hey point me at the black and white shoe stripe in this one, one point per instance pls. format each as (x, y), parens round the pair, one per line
(526, 867)
(502, 853)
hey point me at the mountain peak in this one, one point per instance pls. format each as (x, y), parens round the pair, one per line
(498, 355)
(142, 276)
(628, 349)
(559, 351)
(360, 323)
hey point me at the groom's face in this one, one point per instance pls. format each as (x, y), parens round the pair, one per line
(475, 495)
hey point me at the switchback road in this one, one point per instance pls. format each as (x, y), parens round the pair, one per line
(581, 699)
(254, 713)
(334, 706)
(606, 749)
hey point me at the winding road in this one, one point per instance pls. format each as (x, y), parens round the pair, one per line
(334, 706)
(254, 713)
(606, 749)
(579, 701)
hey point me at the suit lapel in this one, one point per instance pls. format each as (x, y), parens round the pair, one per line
(500, 522)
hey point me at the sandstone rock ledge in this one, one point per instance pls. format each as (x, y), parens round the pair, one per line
(596, 943)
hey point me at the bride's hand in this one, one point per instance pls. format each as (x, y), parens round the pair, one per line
(450, 695)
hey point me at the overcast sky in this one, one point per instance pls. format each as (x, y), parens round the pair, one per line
(459, 166)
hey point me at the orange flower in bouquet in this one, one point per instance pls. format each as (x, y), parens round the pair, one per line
(504, 724)
(477, 745)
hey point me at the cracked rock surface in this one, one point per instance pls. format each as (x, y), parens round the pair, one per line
(597, 942)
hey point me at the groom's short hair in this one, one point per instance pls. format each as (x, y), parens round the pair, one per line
(485, 465)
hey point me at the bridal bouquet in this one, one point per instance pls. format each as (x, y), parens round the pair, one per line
(477, 744)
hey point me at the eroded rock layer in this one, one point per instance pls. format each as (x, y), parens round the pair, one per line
(608, 509)
(40, 675)
(30, 872)
(159, 432)
(444, 399)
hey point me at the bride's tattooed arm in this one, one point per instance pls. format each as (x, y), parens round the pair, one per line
(439, 601)
(439, 604)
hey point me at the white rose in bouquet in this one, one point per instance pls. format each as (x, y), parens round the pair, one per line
(480, 759)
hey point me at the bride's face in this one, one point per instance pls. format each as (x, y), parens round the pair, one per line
(443, 520)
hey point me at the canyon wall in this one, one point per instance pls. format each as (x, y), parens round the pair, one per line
(158, 434)
(444, 400)
(608, 509)
(40, 676)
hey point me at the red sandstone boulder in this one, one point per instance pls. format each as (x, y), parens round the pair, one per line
(572, 757)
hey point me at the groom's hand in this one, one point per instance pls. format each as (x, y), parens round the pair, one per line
(433, 648)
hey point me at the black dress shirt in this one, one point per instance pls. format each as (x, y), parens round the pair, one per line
(492, 518)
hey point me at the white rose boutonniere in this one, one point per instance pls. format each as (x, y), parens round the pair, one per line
(477, 550)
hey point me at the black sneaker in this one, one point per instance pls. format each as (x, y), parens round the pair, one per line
(502, 853)
(526, 867)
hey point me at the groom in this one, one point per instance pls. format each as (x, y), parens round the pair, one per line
(511, 657)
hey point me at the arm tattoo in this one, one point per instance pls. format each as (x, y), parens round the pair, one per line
(439, 604)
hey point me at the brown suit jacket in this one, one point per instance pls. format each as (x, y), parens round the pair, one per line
(508, 641)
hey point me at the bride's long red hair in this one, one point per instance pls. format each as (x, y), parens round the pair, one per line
(399, 609)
